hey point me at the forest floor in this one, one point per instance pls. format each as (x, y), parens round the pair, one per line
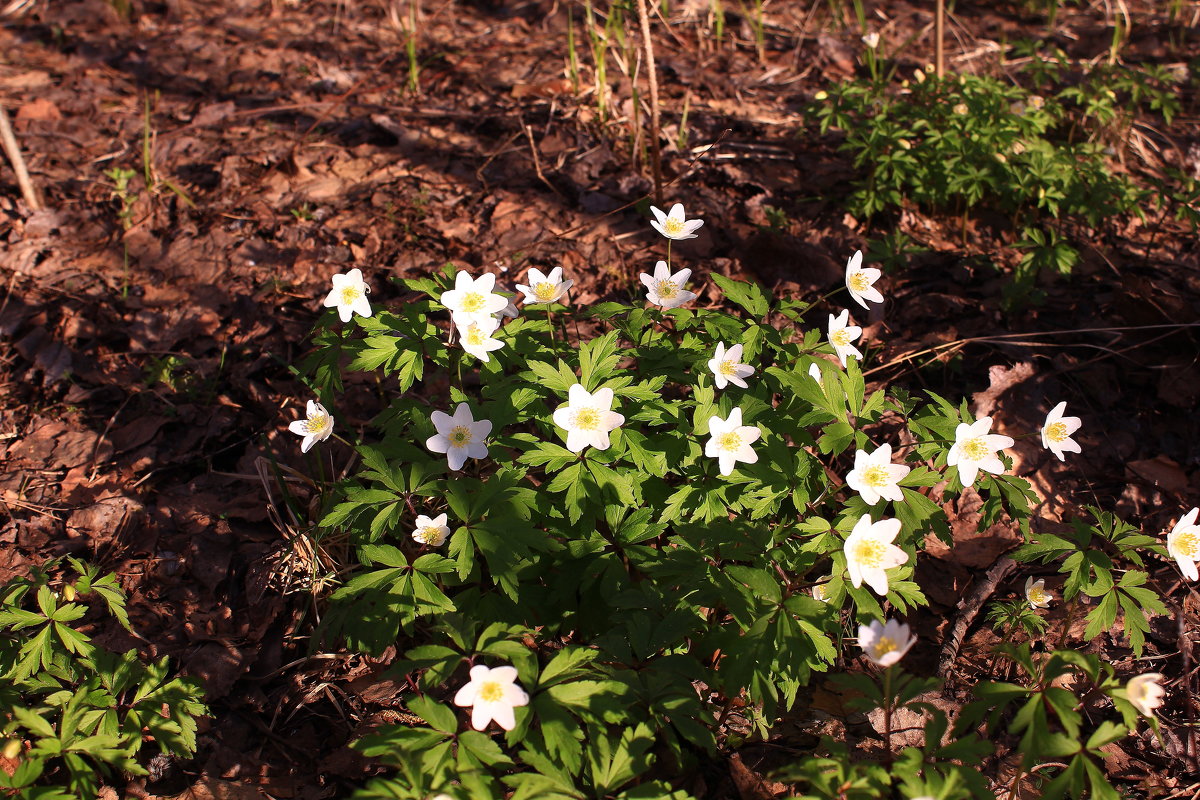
(145, 339)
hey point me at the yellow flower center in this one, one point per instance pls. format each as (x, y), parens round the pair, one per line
(976, 449)
(587, 419)
(1056, 432)
(491, 691)
(869, 553)
(460, 436)
(545, 291)
(729, 367)
(876, 477)
(474, 336)
(885, 645)
(729, 442)
(428, 534)
(673, 225)
(1187, 544)
(350, 294)
(859, 282)
(666, 289)
(840, 338)
(473, 302)
(1037, 595)
(316, 422)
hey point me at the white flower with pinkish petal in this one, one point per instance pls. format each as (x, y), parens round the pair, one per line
(870, 552)
(492, 694)
(731, 440)
(460, 437)
(675, 224)
(349, 295)
(588, 418)
(727, 367)
(665, 289)
(841, 334)
(316, 427)
(975, 449)
(885, 643)
(544, 288)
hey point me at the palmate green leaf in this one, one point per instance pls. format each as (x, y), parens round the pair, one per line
(749, 296)
(570, 662)
(434, 714)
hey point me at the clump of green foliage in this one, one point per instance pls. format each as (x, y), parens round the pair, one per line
(965, 144)
(72, 713)
(639, 595)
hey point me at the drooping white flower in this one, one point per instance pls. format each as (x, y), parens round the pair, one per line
(975, 449)
(1183, 544)
(885, 643)
(1145, 692)
(476, 338)
(492, 694)
(841, 334)
(860, 281)
(349, 295)
(731, 440)
(432, 532)
(814, 372)
(875, 477)
(675, 225)
(472, 299)
(460, 437)
(509, 310)
(1057, 430)
(820, 592)
(665, 289)
(871, 40)
(870, 552)
(317, 427)
(727, 366)
(544, 288)
(588, 418)
(1036, 594)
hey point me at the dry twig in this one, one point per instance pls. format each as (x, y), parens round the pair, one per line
(9, 141)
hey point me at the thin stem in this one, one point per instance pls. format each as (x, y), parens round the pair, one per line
(939, 34)
(652, 73)
(887, 711)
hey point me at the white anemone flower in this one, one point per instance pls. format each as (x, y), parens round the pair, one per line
(731, 440)
(875, 477)
(727, 366)
(316, 427)
(1057, 430)
(544, 288)
(885, 643)
(675, 225)
(349, 295)
(492, 694)
(1183, 544)
(841, 334)
(820, 592)
(665, 289)
(476, 338)
(472, 299)
(588, 418)
(1036, 594)
(870, 552)
(1146, 692)
(975, 449)
(871, 40)
(432, 532)
(460, 437)
(860, 281)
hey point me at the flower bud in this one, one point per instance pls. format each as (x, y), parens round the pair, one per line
(821, 95)
(961, 109)
(12, 748)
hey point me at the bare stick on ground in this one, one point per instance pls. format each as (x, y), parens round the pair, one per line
(655, 156)
(969, 609)
(9, 142)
